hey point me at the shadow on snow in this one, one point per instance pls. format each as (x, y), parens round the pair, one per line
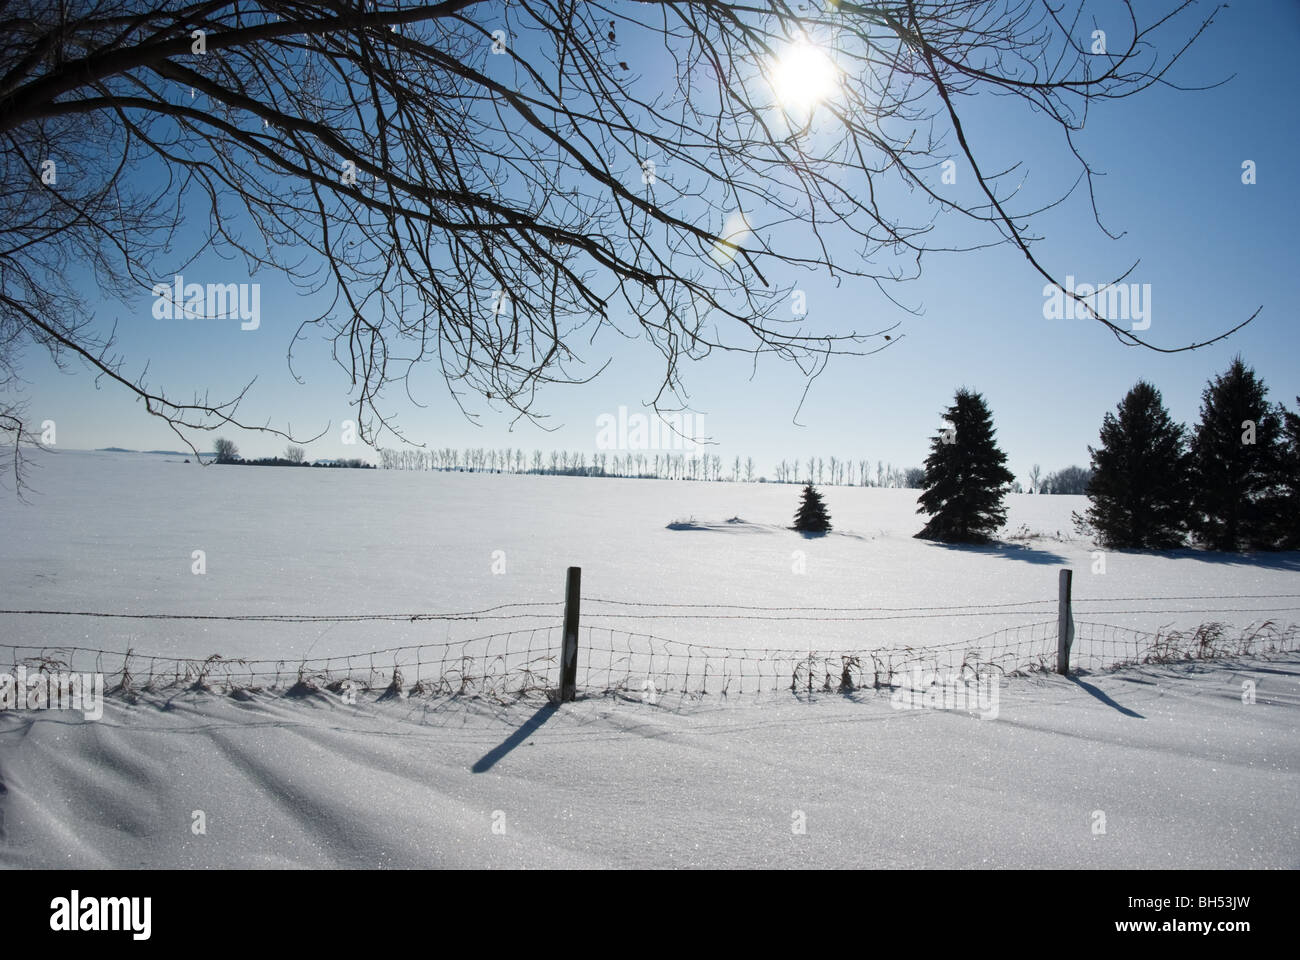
(1008, 551)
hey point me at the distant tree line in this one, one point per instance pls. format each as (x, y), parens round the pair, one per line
(836, 471)
(649, 466)
(225, 451)
(1070, 481)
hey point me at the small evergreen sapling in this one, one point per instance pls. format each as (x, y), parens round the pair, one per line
(812, 516)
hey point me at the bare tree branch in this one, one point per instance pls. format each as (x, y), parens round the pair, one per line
(486, 187)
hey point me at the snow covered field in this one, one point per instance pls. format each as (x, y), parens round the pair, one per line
(1184, 772)
(117, 533)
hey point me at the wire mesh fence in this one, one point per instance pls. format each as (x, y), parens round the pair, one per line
(1103, 646)
(499, 665)
(612, 661)
(647, 666)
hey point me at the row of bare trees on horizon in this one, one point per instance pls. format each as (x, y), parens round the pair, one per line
(829, 471)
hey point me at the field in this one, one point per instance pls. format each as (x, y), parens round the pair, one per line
(117, 533)
(1165, 752)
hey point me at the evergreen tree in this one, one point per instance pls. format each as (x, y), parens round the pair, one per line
(1138, 494)
(1234, 462)
(812, 516)
(1285, 510)
(966, 476)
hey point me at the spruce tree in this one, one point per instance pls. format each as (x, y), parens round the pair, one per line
(966, 477)
(812, 516)
(1285, 508)
(1234, 462)
(1138, 494)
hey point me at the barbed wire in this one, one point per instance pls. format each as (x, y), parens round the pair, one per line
(488, 613)
(491, 613)
(742, 606)
(917, 616)
(958, 606)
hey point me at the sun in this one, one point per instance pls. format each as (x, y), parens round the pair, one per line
(804, 76)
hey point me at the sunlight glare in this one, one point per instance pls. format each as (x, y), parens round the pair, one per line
(803, 76)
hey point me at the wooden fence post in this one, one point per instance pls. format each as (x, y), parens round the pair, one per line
(1064, 624)
(569, 647)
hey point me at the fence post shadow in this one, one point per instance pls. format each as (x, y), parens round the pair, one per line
(530, 726)
(1104, 698)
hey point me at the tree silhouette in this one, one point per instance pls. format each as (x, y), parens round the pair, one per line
(811, 516)
(1234, 453)
(1139, 491)
(966, 478)
(1286, 506)
(225, 450)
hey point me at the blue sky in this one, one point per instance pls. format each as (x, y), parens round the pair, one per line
(1212, 250)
